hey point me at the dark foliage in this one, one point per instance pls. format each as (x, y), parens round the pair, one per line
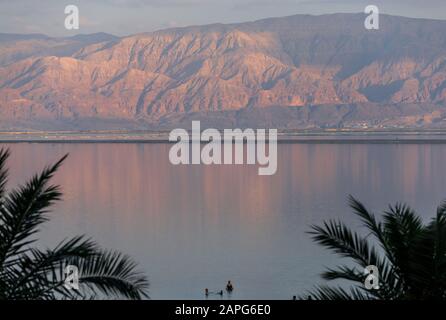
(411, 260)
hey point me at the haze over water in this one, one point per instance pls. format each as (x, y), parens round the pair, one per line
(195, 227)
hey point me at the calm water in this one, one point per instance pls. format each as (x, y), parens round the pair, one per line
(198, 226)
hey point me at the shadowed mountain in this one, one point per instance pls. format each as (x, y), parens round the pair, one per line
(295, 72)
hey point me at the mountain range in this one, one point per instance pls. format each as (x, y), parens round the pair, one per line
(297, 72)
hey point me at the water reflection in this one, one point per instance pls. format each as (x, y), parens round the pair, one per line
(193, 227)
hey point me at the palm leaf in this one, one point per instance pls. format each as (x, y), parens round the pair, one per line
(24, 210)
(340, 239)
(112, 274)
(38, 266)
(414, 261)
(337, 294)
(4, 155)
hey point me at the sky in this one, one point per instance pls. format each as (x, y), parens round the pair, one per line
(124, 17)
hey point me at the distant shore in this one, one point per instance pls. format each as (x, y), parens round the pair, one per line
(284, 136)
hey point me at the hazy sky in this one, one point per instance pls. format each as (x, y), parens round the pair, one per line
(122, 17)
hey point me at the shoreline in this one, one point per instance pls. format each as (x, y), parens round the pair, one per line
(284, 137)
(279, 141)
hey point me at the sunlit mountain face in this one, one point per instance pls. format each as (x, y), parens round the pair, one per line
(294, 72)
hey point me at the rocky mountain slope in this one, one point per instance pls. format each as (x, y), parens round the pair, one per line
(294, 72)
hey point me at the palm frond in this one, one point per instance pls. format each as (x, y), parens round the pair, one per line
(403, 229)
(111, 273)
(339, 238)
(337, 294)
(414, 262)
(428, 265)
(4, 155)
(372, 224)
(24, 210)
(40, 268)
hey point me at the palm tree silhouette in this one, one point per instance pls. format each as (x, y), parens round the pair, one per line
(28, 273)
(411, 259)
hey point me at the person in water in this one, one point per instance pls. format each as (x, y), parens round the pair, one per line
(207, 292)
(229, 287)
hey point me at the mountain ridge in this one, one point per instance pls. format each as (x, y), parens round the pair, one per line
(149, 79)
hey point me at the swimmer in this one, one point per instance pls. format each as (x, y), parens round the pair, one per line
(229, 287)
